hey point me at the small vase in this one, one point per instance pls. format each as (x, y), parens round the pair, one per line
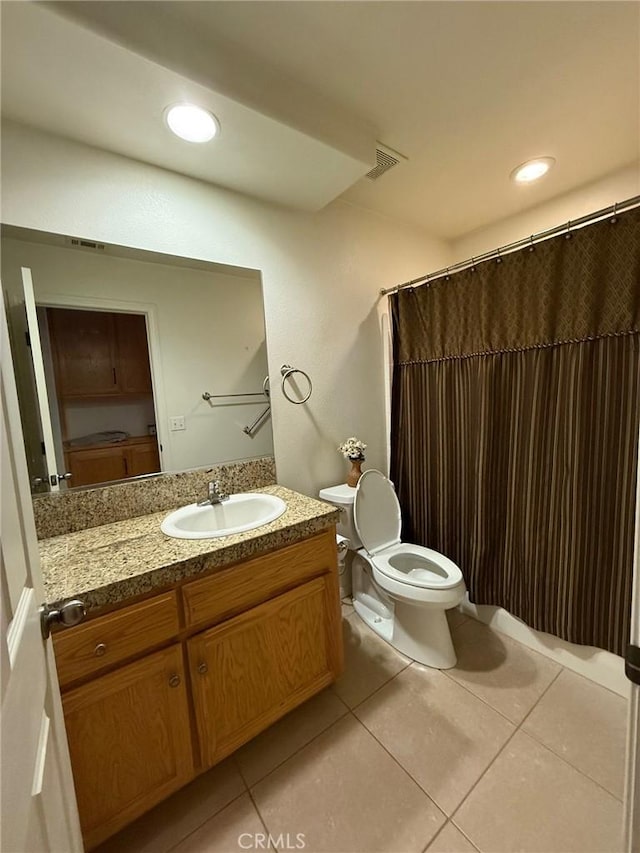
(355, 473)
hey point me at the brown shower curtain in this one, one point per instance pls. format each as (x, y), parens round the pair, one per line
(515, 427)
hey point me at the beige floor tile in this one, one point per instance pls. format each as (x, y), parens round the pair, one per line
(450, 840)
(455, 618)
(502, 672)
(586, 725)
(369, 662)
(168, 823)
(439, 732)
(530, 800)
(265, 752)
(346, 793)
(236, 828)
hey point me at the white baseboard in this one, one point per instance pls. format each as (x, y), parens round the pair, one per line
(602, 667)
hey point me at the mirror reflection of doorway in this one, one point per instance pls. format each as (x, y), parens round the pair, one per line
(102, 412)
(206, 332)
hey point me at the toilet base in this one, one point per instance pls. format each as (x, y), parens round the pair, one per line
(421, 633)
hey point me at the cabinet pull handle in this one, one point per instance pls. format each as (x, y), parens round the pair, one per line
(115, 379)
(203, 668)
(174, 680)
(100, 650)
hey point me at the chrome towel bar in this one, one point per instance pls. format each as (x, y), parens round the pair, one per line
(249, 430)
(264, 393)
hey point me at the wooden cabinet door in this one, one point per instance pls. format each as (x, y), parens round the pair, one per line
(97, 465)
(129, 741)
(253, 669)
(143, 458)
(134, 372)
(83, 344)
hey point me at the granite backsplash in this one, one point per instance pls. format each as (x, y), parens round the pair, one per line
(67, 512)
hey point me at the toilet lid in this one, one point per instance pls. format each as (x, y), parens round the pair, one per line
(376, 512)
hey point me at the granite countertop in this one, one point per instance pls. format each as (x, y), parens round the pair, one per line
(109, 564)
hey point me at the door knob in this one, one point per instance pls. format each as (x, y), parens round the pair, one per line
(174, 680)
(55, 479)
(71, 613)
(203, 668)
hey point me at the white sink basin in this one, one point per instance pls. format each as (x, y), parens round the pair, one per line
(235, 514)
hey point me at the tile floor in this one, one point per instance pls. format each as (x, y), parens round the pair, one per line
(506, 752)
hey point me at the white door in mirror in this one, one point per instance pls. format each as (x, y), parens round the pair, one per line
(235, 514)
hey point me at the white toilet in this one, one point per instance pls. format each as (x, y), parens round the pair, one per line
(400, 590)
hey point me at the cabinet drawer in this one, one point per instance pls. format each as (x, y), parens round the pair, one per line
(115, 636)
(242, 586)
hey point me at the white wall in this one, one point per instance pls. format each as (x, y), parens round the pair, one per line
(321, 274)
(135, 417)
(211, 338)
(616, 187)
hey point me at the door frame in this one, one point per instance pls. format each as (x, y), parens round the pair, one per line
(149, 311)
(43, 392)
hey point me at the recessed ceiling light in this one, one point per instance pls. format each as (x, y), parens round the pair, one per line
(191, 123)
(532, 170)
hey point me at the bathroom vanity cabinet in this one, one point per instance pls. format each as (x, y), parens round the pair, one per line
(116, 461)
(159, 690)
(129, 741)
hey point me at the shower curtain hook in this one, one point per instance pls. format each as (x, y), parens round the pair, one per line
(614, 218)
(567, 236)
(473, 265)
(447, 276)
(499, 258)
(532, 247)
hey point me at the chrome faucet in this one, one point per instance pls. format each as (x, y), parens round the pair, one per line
(214, 496)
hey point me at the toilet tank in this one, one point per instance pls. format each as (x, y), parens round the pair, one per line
(342, 497)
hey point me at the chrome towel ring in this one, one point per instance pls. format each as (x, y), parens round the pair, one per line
(286, 371)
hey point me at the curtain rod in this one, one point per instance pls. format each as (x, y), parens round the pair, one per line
(618, 207)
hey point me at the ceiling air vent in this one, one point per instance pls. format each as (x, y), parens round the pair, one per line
(386, 158)
(77, 243)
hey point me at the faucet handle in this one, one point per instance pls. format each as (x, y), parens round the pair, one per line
(222, 496)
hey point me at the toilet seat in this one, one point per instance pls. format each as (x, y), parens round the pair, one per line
(378, 520)
(417, 566)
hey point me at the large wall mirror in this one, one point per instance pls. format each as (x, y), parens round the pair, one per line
(115, 350)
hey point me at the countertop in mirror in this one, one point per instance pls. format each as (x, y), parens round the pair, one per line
(109, 564)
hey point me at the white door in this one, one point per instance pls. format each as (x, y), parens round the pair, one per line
(38, 802)
(40, 380)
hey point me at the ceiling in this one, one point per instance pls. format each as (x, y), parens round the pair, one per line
(71, 81)
(465, 90)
